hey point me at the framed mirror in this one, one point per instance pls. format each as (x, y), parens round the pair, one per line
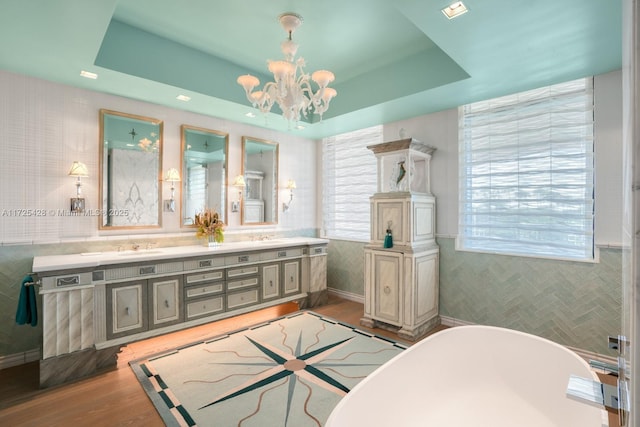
(204, 172)
(260, 171)
(130, 171)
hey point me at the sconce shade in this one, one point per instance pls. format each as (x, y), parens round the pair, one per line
(78, 169)
(172, 175)
(239, 181)
(291, 185)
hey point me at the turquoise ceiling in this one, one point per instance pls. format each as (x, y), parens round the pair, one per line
(392, 60)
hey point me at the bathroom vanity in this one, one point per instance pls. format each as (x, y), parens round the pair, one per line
(94, 303)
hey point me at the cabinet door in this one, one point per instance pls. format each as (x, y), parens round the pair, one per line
(270, 281)
(386, 283)
(291, 277)
(165, 301)
(126, 309)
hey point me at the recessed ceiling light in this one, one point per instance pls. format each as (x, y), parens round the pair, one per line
(184, 98)
(250, 115)
(454, 10)
(88, 75)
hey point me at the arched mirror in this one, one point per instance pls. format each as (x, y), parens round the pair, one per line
(130, 171)
(204, 172)
(260, 171)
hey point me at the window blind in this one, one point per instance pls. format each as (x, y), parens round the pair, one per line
(349, 180)
(526, 173)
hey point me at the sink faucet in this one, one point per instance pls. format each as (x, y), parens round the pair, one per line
(135, 246)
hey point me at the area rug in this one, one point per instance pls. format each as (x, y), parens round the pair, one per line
(290, 371)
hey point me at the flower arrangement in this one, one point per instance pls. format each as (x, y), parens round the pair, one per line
(210, 226)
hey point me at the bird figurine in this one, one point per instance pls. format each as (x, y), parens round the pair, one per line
(401, 172)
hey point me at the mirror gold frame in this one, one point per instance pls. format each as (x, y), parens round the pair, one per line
(130, 190)
(208, 149)
(260, 162)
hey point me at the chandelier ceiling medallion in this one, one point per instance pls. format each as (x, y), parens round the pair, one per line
(291, 88)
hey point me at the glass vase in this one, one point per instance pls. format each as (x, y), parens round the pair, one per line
(211, 241)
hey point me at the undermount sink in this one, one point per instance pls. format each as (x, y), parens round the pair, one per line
(140, 252)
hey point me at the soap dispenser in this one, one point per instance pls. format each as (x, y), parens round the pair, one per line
(388, 238)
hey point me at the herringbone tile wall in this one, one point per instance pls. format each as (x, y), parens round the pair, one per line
(573, 303)
(345, 266)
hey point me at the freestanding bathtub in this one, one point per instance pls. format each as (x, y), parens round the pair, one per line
(472, 376)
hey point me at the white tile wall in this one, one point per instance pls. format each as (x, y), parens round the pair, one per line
(45, 126)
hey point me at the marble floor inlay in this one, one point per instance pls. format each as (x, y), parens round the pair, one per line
(291, 371)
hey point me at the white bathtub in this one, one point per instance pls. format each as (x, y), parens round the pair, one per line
(472, 376)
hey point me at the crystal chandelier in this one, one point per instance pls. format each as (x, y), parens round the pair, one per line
(291, 88)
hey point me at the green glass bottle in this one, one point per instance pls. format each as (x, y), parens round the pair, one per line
(388, 239)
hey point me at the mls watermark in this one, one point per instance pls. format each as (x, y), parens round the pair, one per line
(62, 212)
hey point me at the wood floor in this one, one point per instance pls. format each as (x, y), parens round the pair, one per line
(115, 397)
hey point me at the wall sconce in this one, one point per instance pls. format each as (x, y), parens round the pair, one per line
(291, 185)
(78, 170)
(239, 183)
(172, 176)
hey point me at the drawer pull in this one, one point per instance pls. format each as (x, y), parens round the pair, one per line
(282, 254)
(151, 269)
(318, 250)
(205, 263)
(67, 281)
(243, 258)
(387, 290)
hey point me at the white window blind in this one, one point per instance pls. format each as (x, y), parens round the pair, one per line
(526, 173)
(349, 180)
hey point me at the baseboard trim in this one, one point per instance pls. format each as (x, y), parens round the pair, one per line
(347, 295)
(19, 358)
(452, 321)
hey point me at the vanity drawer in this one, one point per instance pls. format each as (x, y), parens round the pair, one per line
(318, 250)
(209, 288)
(205, 306)
(208, 276)
(239, 284)
(243, 271)
(281, 253)
(197, 264)
(242, 259)
(68, 280)
(240, 299)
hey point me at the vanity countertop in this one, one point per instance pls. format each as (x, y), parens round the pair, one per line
(97, 259)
